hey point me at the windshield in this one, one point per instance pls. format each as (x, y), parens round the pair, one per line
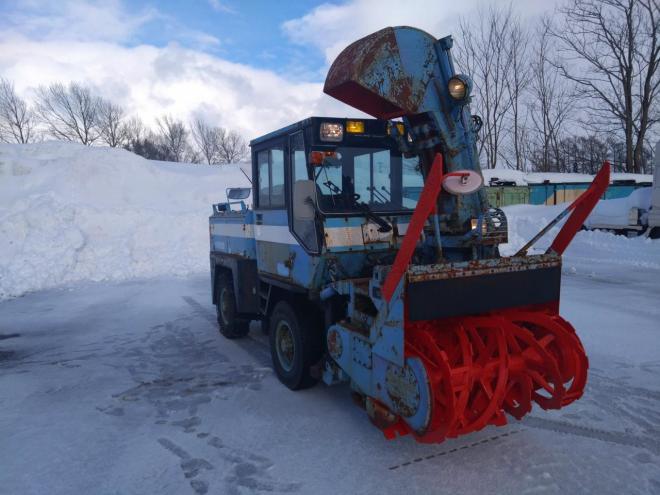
(380, 178)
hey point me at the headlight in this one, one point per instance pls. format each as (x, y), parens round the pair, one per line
(458, 87)
(331, 131)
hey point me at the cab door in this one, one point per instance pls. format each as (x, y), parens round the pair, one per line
(305, 230)
(271, 226)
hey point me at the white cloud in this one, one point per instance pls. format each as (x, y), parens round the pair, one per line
(152, 81)
(96, 20)
(219, 6)
(77, 20)
(87, 41)
(331, 27)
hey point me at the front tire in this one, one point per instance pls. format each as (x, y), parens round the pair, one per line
(230, 326)
(295, 344)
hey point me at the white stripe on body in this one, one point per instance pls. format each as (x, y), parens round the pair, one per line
(334, 236)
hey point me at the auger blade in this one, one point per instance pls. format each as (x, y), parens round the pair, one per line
(481, 367)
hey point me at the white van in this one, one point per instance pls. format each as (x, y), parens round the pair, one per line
(633, 215)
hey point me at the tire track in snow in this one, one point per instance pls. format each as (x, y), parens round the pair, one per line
(255, 348)
(621, 438)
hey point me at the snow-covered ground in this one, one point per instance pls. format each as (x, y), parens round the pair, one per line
(592, 253)
(69, 212)
(125, 386)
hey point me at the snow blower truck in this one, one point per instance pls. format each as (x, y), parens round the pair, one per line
(371, 257)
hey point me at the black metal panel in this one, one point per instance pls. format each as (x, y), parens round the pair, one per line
(282, 283)
(431, 299)
(374, 128)
(245, 276)
(246, 280)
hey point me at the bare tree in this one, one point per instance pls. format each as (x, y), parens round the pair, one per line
(134, 131)
(612, 51)
(207, 139)
(193, 156)
(486, 54)
(582, 154)
(516, 84)
(17, 123)
(110, 123)
(233, 148)
(70, 113)
(217, 144)
(143, 141)
(173, 137)
(551, 102)
(147, 146)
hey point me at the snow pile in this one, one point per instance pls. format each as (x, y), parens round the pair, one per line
(591, 252)
(638, 178)
(70, 212)
(556, 177)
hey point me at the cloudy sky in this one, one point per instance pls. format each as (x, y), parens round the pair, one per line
(251, 65)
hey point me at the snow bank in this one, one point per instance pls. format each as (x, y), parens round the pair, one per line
(638, 178)
(70, 212)
(591, 252)
(556, 178)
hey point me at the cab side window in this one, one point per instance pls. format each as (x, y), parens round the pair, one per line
(277, 178)
(298, 161)
(270, 168)
(264, 179)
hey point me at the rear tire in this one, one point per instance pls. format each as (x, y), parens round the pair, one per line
(655, 233)
(295, 344)
(230, 326)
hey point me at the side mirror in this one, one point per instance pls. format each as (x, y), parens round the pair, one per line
(235, 193)
(304, 200)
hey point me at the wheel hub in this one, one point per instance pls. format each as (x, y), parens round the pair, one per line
(285, 345)
(225, 305)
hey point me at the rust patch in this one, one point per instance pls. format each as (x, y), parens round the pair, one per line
(379, 415)
(441, 271)
(335, 346)
(369, 76)
(403, 390)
